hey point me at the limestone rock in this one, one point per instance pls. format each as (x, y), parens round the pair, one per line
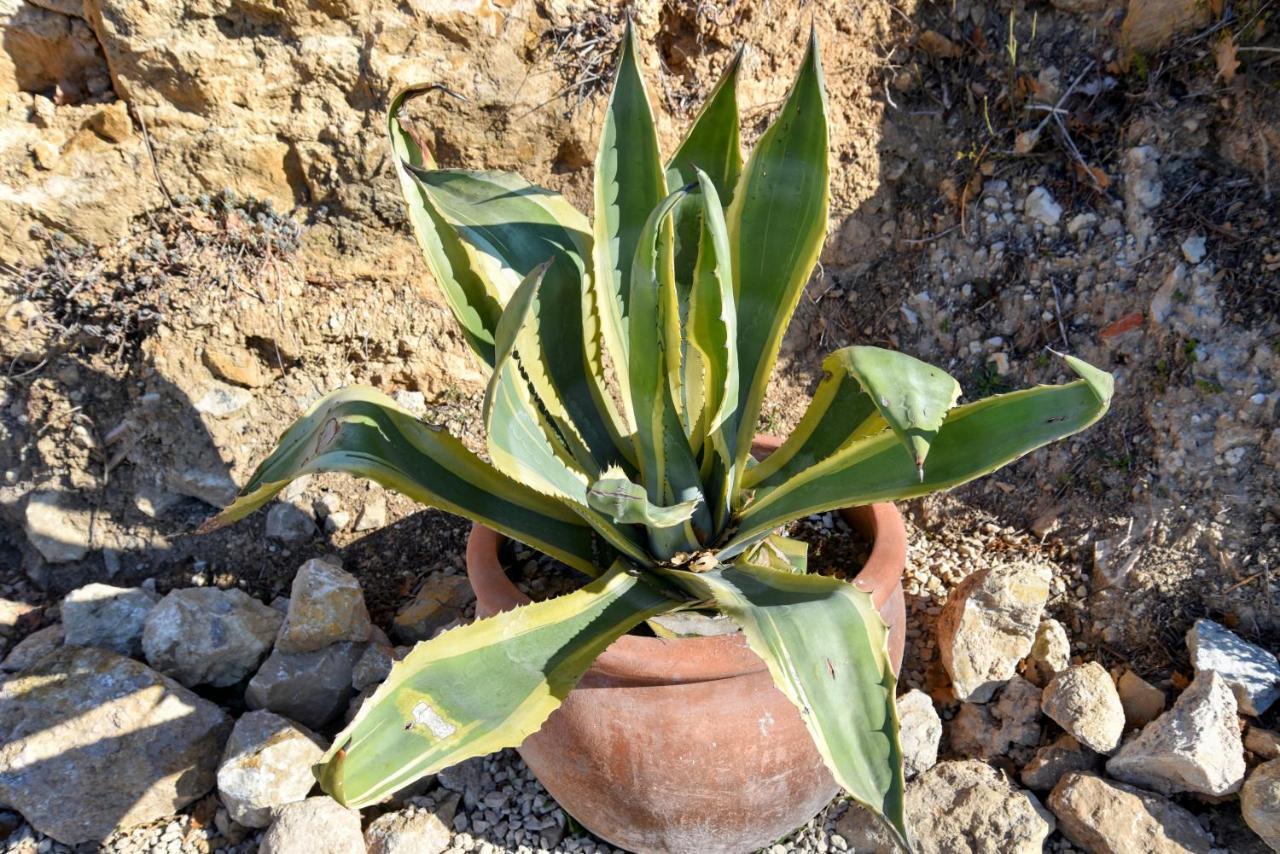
(59, 532)
(1263, 743)
(111, 122)
(1056, 759)
(90, 740)
(208, 636)
(314, 826)
(266, 764)
(1260, 802)
(1142, 701)
(236, 364)
(12, 615)
(312, 688)
(373, 515)
(440, 601)
(32, 648)
(106, 616)
(1251, 671)
(986, 731)
(864, 832)
(408, 831)
(987, 627)
(1050, 653)
(1041, 207)
(970, 806)
(326, 606)
(289, 523)
(375, 664)
(1083, 701)
(920, 729)
(1112, 818)
(1193, 747)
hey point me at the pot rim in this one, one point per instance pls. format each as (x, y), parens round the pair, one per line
(699, 659)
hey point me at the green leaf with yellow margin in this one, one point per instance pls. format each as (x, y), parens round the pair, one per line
(975, 439)
(521, 442)
(777, 221)
(362, 432)
(863, 390)
(476, 301)
(827, 649)
(629, 183)
(433, 712)
(512, 227)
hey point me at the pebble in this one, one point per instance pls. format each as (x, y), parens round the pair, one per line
(1041, 207)
(290, 524)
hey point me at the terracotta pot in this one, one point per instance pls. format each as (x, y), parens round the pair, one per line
(686, 745)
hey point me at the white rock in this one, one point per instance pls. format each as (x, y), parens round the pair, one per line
(920, 730)
(59, 533)
(1083, 701)
(11, 614)
(1041, 207)
(373, 515)
(314, 826)
(1110, 818)
(1013, 720)
(266, 764)
(290, 524)
(223, 400)
(1050, 653)
(970, 806)
(408, 831)
(326, 606)
(1193, 747)
(106, 616)
(1193, 248)
(209, 636)
(1251, 671)
(1260, 802)
(988, 624)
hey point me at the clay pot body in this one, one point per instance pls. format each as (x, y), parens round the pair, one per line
(685, 745)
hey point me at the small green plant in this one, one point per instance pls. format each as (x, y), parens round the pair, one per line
(629, 363)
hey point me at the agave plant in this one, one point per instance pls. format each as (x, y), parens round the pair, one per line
(629, 362)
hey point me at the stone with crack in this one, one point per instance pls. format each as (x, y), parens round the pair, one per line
(266, 764)
(91, 741)
(989, 624)
(209, 636)
(1193, 747)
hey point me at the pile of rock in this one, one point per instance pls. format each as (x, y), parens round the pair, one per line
(1099, 747)
(108, 702)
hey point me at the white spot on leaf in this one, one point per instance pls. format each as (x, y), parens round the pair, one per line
(424, 715)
